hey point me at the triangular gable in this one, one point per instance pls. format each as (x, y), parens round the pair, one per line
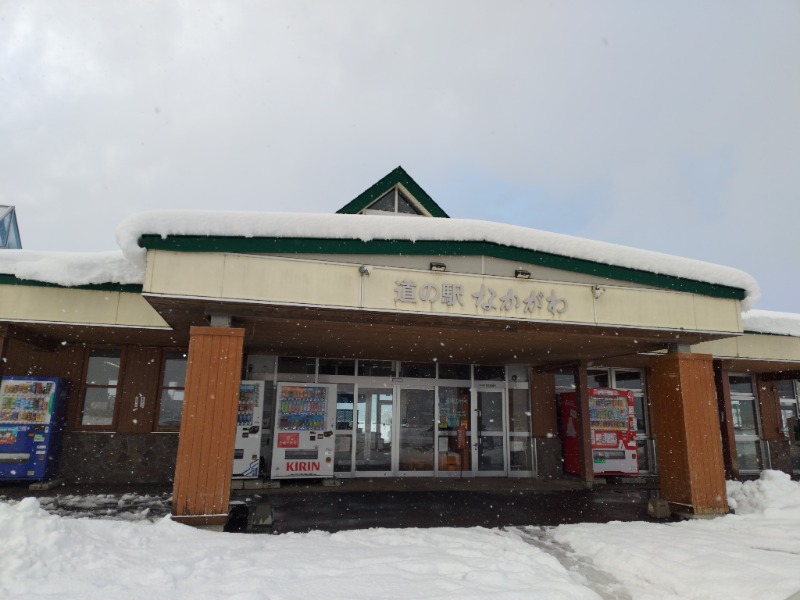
(408, 187)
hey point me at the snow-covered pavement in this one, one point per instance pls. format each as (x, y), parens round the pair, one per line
(752, 554)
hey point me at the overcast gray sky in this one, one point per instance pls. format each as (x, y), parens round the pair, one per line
(671, 126)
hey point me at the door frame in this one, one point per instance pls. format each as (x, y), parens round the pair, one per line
(492, 387)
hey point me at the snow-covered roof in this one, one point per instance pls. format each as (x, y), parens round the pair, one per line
(70, 268)
(128, 266)
(376, 227)
(767, 321)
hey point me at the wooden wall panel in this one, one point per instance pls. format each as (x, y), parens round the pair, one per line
(769, 405)
(723, 387)
(137, 398)
(205, 450)
(689, 443)
(543, 405)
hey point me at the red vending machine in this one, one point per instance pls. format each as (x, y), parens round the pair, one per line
(612, 420)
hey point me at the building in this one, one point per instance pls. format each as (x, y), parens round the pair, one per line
(448, 341)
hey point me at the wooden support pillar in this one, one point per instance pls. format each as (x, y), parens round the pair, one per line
(544, 426)
(208, 426)
(689, 445)
(582, 401)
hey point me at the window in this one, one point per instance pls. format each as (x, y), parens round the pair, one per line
(100, 388)
(489, 373)
(393, 202)
(462, 372)
(418, 370)
(170, 392)
(328, 366)
(297, 365)
(375, 368)
(789, 409)
(744, 414)
(597, 378)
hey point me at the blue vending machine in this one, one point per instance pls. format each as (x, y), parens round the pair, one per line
(31, 421)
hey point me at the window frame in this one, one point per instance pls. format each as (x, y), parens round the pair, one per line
(113, 427)
(748, 438)
(157, 427)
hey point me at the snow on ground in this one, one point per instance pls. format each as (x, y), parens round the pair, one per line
(752, 554)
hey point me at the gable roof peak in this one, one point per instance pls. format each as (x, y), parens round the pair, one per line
(398, 179)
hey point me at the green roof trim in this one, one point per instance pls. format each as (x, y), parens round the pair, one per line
(131, 288)
(398, 176)
(272, 245)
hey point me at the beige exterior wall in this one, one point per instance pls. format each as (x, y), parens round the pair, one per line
(470, 265)
(754, 346)
(281, 280)
(84, 307)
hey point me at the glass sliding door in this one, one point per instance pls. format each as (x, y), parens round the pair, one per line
(343, 457)
(374, 429)
(489, 455)
(416, 432)
(520, 440)
(454, 429)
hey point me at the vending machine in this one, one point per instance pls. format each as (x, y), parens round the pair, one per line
(31, 421)
(612, 420)
(305, 425)
(247, 447)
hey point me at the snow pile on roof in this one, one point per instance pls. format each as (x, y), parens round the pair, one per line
(70, 268)
(767, 321)
(773, 490)
(375, 227)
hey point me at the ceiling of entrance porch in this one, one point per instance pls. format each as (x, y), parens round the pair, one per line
(333, 333)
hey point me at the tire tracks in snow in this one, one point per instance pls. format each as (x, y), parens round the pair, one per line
(601, 582)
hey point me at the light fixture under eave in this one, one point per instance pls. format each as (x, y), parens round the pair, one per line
(438, 266)
(522, 274)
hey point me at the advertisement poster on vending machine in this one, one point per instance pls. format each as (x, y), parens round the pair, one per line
(31, 419)
(305, 416)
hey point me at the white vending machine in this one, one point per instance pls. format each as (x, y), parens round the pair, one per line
(247, 447)
(305, 425)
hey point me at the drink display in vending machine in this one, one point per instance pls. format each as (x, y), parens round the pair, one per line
(305, 417)
(247, 446)
(31, 420)
(612, 420)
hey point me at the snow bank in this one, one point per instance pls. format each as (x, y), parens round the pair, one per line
(376, 227)
(70, 268)
(85, 559)
(767, 321)
(773, 490)
(752, 554)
